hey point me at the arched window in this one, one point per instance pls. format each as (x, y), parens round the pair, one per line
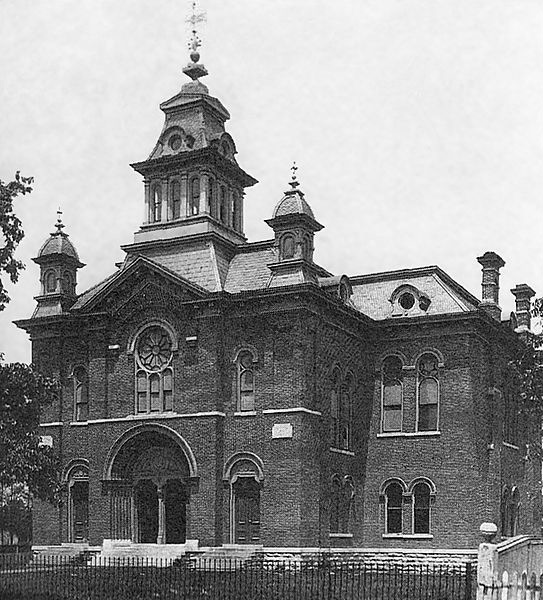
(235, 210)
(421, 508)
(211, 198)
(67, 282)
(81, 394)
(348, 503)
(514, 511)
(345, 412)
(288, 246)
(504, 512)
(306, 247)
(393, 507)
(245, 381)
(156, 204)
(175, 199)
(335, 505)
(50, 282)
(392, 394)
(154, 374)
(223, 206)
(334, 408)
(194, 202)
(428, 393)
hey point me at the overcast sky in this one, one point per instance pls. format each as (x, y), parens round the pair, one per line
(416, 124)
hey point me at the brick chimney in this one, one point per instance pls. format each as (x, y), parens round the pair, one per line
(523, 295)
(491, 263)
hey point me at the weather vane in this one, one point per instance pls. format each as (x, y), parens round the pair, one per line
(294, 183)
(59, 224)
(195, 41)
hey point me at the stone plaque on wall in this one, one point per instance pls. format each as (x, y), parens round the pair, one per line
(282, 430)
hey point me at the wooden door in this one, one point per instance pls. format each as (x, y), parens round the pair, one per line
(247, 511)
(80, 511)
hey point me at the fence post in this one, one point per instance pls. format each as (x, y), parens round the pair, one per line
(487, 563)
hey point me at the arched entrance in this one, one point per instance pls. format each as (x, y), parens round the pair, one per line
(149, 475)
(244, 476)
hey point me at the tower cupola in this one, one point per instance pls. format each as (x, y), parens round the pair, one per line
(59, 263)
(193, 183)
(294, 226)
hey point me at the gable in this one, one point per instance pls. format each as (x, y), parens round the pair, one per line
(410, 293)
(138, 284)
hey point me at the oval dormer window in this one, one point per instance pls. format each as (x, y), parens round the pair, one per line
(406, 300)
(175, 142)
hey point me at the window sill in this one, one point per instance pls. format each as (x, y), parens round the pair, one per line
(408, 536)
(78, 423)
(340, 535)
(340, 451)
(245, 413)
(389, 434)
(512, 446)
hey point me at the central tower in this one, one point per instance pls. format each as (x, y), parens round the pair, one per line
(193, 183)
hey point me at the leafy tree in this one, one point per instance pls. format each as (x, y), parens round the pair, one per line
(12, 231)
(24, 460)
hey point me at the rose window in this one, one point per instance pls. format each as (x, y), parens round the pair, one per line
(154, 373)
(154, 349)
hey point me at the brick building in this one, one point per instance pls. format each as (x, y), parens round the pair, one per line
(227, 391)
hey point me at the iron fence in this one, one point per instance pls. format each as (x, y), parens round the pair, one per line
(32, 577)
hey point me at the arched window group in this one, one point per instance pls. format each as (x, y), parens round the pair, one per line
(342, 495)
(341, 398)
(154, 371)
(407, 510)
(245, 380)
(81, 394)
(427, 394)
(510, 509)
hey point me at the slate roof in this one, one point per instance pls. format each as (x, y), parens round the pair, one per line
(372, 293)
(292, 203)
(249, 270)
(58, 243)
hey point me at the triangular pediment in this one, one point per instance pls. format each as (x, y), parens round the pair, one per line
(143, 282)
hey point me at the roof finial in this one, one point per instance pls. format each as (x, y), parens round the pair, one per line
(59, 224)
(195, 41)
(195, 70)
(294, 183)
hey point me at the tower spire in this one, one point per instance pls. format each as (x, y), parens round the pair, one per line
(194, 69)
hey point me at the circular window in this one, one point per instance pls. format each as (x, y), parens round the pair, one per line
(407, 300)
(175, 142)
(154, 349)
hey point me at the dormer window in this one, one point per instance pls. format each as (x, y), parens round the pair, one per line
(407, 300)
(176, 141)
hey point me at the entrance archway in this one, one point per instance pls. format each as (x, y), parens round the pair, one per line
(150, 474)
(244, 476)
